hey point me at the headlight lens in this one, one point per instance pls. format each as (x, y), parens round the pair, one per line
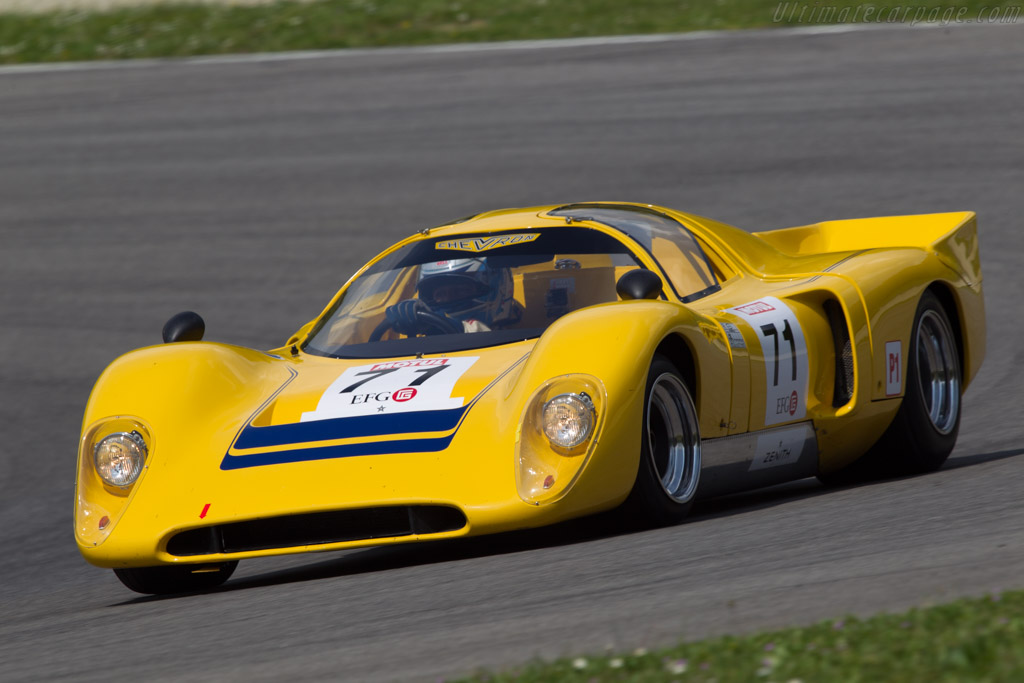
(557, 433)
(119, 458)
(569, 419)
(113, 457)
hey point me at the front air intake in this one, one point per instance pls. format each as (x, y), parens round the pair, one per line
(316, 528)
(843, 391)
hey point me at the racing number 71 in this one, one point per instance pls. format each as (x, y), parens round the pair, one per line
(425, 374)
(787, 334)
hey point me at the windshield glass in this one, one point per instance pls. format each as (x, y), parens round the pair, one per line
(471, 291)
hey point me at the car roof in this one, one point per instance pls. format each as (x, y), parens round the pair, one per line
(528, 217)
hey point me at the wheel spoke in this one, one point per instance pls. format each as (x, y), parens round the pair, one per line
(938, 371)
(673, 438)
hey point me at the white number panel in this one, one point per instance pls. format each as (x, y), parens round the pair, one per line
(401, 386)
(785, 357)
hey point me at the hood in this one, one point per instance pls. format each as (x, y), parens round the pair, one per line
(336, 408)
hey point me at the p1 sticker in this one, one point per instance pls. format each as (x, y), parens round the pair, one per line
(893, 368)
(785, 357)
(400, 386)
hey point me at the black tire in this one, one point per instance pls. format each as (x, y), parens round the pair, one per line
(667, 476)
(175, 578)
(925, 428)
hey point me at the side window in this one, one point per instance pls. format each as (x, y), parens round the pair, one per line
(720, 267)
(683, 261)
(677, 252)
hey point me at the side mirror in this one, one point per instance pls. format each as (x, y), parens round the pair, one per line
(186, 326)
(638, 284)
(297, 337)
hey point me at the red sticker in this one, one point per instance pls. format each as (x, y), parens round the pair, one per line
(206, 508)
(403, 395)
(755, 308)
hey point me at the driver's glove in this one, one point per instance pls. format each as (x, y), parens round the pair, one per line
(402, 316)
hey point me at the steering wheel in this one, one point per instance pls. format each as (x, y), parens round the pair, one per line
(412, 317)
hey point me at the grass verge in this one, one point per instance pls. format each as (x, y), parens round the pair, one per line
(185, 30)
(967, 640)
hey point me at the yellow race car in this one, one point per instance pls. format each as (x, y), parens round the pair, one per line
(527, 366)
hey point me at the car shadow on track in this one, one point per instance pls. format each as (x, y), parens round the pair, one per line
(758, 499)
(404, 555)
(604, 525)
(980, 458)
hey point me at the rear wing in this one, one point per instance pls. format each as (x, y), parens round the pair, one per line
(952, 236)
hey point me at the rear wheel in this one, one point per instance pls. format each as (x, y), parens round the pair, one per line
(669, 468)
(174, 578)
(924, 431)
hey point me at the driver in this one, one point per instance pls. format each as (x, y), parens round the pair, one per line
(470, 292)
(466, 294)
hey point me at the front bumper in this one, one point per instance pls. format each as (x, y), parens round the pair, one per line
(325, 505)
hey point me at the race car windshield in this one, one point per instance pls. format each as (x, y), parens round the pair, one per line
(472, 291)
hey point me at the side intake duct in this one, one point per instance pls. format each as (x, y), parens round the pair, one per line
(843, 391)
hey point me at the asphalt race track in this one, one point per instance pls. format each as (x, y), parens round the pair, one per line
(250, 191)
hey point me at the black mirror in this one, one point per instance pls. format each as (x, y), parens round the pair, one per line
(639, 284)
(187, 326)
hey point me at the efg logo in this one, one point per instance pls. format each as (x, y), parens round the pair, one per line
(787, 404)
(400, 396)
(403, 395)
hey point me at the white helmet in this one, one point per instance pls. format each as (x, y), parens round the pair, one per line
(466, 289)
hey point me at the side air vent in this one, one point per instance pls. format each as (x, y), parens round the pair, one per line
(316, 528)
(844, 353)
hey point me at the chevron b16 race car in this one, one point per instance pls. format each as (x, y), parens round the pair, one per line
(524, 367)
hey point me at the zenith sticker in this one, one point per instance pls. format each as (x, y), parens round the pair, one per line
(400, 386)
(778, 447)
(478, 244)
(785, 358)
(893, 368)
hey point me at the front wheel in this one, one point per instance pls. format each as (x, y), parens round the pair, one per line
(176, 578)
(669, 468)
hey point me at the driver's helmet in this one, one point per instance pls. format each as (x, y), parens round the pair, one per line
(466, 289)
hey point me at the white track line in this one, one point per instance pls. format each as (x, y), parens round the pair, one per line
(510, 45)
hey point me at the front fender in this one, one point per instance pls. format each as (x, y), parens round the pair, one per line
(188, 397)
(177, 386)
(615, 343)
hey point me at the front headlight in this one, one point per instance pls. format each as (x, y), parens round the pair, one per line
(113, 457)
(557, 433)
(119, 458)
(569, 419)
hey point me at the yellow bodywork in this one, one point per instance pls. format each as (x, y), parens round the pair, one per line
(211, 412)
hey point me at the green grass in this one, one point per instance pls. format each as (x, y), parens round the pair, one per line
(184, 30)
(968, 640)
